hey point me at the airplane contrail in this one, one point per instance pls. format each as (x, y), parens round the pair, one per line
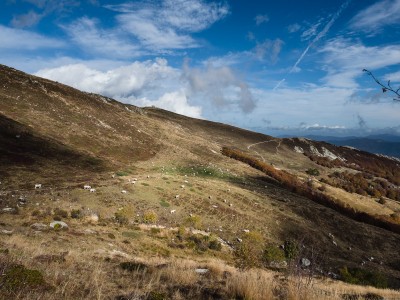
(317, 38)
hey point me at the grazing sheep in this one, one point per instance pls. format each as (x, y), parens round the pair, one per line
(92, 190)
(87, 187)
(173, 211)
(177, 197)
(123, 192)
(38, 186)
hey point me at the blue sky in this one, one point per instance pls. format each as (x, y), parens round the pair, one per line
(279, 67)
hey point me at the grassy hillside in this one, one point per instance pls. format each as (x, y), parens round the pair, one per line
(166, 202)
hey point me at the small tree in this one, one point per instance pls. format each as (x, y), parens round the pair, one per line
(385, 88)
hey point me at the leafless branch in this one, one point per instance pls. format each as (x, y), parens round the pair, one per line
(385, 88)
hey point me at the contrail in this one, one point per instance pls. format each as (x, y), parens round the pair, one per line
(279, 83)
(317, 38)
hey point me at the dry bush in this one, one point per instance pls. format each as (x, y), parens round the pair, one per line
(181, 272)
(252, 284)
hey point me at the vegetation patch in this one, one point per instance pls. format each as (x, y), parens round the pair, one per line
(164, 203)
(363, 277)
(18, 277)
(132, 266)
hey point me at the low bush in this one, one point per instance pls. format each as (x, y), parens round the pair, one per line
(363, 277)
(150, 217)
(18, 277)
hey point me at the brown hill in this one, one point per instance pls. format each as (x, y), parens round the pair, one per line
(63, 138)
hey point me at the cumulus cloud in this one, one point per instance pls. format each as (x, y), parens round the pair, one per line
(260, 19)
(220, 85)
(168, 24)
(175, 101)
(378, 15)
(12, 39)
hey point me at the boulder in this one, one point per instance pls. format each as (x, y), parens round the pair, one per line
(60, 223)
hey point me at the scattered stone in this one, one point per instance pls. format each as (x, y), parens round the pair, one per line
(278, 264)
(246, 230)
(201, 271)
(305, 262)
(182, 186)
(56, 224)
(6, 232)
(123, 192)
(8, 209)
(92, 218)
(239, 240)
(39, 226)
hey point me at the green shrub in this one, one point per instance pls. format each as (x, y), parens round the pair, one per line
(122, 173)
(194, 221)
(60, 213)
(123, 215)
(76, 214)
(363, 277)
(273, 254)
(312, 172)
(18, 277)
(250, 250)
(214, 244)
(291, 249)
(154, 295)
(150, 217)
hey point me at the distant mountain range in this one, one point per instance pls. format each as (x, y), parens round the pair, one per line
(385, 144)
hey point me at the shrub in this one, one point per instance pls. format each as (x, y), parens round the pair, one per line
(291, 249)
(154, 295)
(194, 221)
(150, 217)
(122, 173)
(132, 266)
(363, 277)
(76, 214)
(250, 250)
(123, 215)
(18, 277)
(60, 213)
(312, 172)
(382, 200)
(273, 254)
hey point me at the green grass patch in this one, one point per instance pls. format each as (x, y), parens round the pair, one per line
(145, 184)
(131, 234)
(164, 203)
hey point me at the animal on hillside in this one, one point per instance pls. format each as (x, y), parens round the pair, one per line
(87, 187)
(38, 186)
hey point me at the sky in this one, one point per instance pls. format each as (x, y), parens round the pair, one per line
(287, 67)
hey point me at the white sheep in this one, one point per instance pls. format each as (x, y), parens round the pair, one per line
(123, 192)
(173, 211)
(92, 190)
(38, 186)
(87, 187)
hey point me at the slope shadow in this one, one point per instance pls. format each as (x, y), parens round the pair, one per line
(21, 149)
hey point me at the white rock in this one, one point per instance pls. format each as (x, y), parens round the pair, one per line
(305, 262)
(39, 226)
(61, 223)
(7, 232)
(246, 230)
(123, 192)
(201, 271)
(8, 209)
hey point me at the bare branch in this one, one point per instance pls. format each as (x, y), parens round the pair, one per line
(384, 87)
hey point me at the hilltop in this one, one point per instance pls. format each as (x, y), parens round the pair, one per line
(168, 215)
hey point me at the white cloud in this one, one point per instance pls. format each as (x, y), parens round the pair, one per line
(269, 49)
(375, 17)
(22, 40)
(86, 33)
(393, 77)
(345, 60)
(292, 28)
(260, 19)
(26, 20)
(220, 85)
(167, 24)
(141, 83)
(175, 101)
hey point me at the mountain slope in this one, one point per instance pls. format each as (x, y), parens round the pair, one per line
(172, 172)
